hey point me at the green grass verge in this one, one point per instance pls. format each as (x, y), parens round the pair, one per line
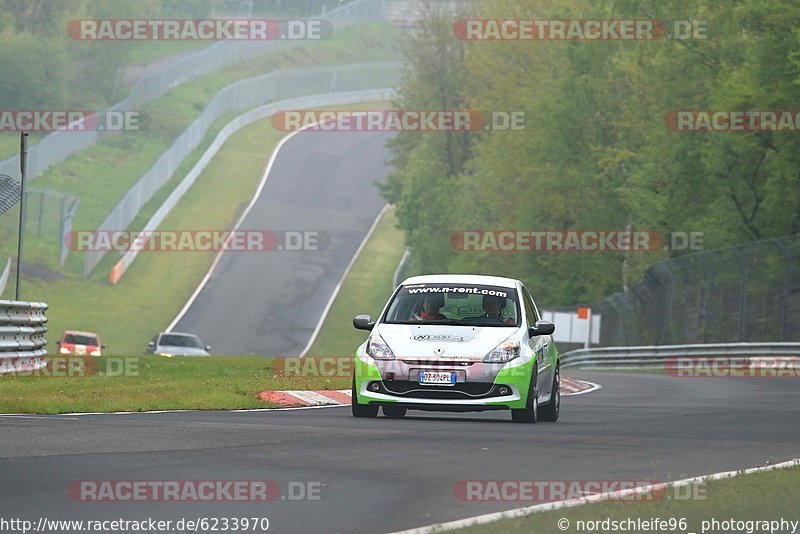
(111, 384)
(770, 495)
(365, 290)
(141, 383)
(152, 292)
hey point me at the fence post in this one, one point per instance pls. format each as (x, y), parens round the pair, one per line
(788, 263)
(743, 261)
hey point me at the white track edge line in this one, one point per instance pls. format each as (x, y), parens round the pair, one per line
(338, 287)
(252, 203)
(558, 505)
(246, 212)
(593, 387)
(244, 410)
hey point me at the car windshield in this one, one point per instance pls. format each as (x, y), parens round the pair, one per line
(454, 304)
(80, 339)
(174, 340)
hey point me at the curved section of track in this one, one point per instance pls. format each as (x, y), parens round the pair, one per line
(269, 303)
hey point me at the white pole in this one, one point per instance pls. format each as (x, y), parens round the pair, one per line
(589, 334)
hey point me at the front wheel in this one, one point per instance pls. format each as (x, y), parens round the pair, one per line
(530, 413)
(360, 410)
(550, 411)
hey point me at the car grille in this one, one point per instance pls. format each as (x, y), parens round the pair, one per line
(439, 363)
(460, 390)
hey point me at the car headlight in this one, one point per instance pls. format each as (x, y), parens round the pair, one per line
(378, 349)
(502, 353)
(62, 350)
(95, 353)
(165, 354)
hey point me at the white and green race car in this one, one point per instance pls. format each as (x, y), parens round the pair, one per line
(458, 343)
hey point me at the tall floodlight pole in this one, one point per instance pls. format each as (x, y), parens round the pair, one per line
(23, 157)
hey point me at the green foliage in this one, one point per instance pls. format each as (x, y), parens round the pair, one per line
(595, 152)
(44, 68)
(36, 73)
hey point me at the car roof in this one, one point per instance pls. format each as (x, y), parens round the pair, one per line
(185, 334)
(80, 333)
(462, 279)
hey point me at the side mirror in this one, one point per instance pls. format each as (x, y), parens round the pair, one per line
(58, 343)
(208, 348)
(542, 328)
(151, 344)
(102, 346)
(363, 322)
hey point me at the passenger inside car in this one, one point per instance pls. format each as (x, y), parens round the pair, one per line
(431, 304)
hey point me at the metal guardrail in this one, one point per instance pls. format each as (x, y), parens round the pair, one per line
(22, 336)
(397, 277)
(243, 95)
(656, 356)
(315, 101)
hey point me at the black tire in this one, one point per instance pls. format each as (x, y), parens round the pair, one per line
(361, 410)
(549, 412)
(530, 413)
(394, 411)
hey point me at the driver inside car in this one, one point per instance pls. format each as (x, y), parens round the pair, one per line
(493, 307)
(431, 305)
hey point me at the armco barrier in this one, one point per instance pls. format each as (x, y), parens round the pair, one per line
(332, 99)
(652, 357)
(22, 336)
(235, 98)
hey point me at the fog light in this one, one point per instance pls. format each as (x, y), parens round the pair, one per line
(375, 387)
(504, 391)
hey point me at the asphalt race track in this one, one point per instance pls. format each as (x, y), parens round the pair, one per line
(269, 303)
(382, 475)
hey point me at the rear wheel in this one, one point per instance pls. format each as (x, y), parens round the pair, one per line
(530, 413)
(361, 410)
(394, 411)
(550, 411)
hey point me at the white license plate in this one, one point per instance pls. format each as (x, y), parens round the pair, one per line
(439, 378)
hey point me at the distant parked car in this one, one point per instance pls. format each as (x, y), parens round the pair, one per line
(177, 344)
(78, 343)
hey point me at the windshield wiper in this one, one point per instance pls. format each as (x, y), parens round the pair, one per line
(455, 322)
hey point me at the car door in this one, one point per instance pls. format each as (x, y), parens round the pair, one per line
(540, 345)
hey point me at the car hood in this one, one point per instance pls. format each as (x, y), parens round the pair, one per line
(459, 343)
(180, 351)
